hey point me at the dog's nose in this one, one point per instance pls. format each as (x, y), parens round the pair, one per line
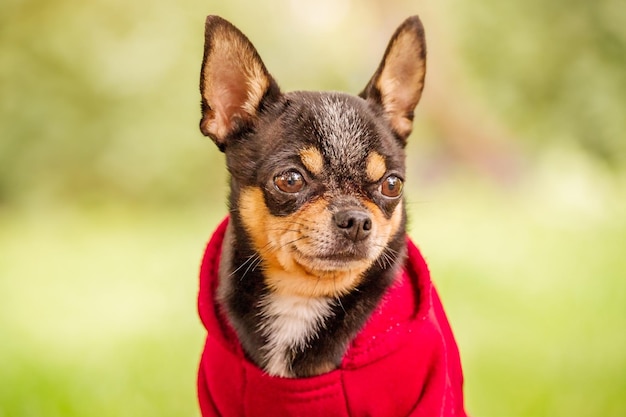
(354, 224)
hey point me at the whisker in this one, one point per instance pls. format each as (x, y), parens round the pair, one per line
(291, 242)
(249, 263)
(252, 267)
(250, 260)
(387, 257)
(277, 229)
(305, 224)
(338, 298)
(253, 261)
(243, 264)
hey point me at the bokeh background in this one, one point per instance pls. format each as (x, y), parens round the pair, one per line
(108, 192)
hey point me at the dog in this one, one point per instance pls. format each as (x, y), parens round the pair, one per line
(313, 266)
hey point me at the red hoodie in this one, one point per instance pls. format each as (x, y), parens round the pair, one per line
(404, 362)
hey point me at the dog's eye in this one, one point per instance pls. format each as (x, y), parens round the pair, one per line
(391, 187)
(289, 182)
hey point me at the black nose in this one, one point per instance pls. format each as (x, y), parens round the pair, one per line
(354, 224)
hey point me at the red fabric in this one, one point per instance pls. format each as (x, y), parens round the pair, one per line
(404, 362)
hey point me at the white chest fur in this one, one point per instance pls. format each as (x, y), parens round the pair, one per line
(288, 322)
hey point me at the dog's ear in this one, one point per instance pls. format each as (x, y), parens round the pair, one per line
(397, 84)
(233, 81)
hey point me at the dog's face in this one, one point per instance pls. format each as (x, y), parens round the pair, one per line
(324, 196)
(316, 178)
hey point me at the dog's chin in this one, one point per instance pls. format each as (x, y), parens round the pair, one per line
(331, 264)
(325, 264)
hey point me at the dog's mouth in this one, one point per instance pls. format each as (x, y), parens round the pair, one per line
(354, 258)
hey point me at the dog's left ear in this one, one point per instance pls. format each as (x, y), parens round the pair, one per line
(233, 81)
(398, 82)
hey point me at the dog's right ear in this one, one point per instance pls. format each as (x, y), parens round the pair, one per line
(233, 81)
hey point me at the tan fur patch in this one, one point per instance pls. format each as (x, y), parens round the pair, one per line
(288, 246)
(386, 227)
(376, 166)
(312, 160)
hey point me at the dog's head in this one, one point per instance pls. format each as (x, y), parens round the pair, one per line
(316, 178)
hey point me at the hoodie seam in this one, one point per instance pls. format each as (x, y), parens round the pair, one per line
(345, 394)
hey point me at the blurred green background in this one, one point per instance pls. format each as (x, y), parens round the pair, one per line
(108, 192)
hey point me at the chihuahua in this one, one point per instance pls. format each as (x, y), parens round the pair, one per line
(316, 234)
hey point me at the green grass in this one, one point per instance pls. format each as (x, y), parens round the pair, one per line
(98, 315)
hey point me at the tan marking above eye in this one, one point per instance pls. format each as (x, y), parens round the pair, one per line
(376, 166)
(312, 160)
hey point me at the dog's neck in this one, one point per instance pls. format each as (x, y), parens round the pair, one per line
(293, 335)
(288, 323)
